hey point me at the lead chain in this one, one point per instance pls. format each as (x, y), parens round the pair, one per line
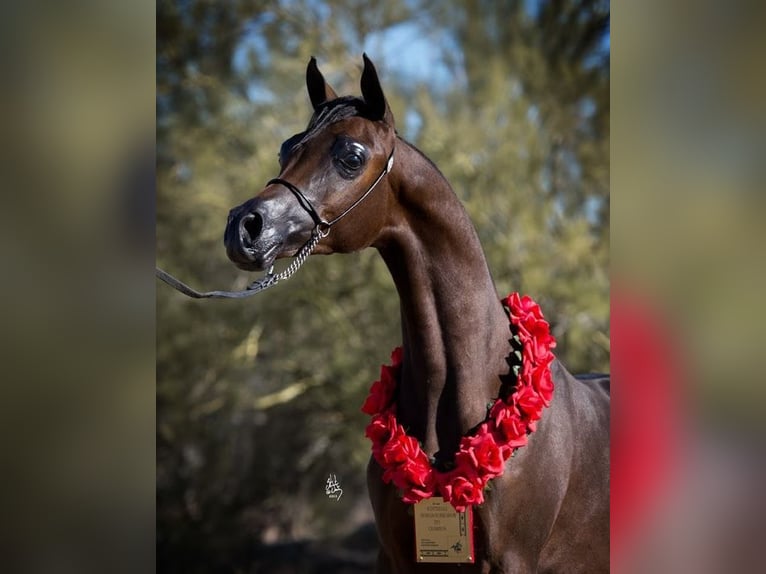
(271, 279)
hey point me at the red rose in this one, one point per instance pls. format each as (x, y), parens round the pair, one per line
(523, 333)
(511, 426)
(502, 410)
(462, 492)
(542, 382)
(541, 341)
(400, 448)
(499, 411)
(408, 467)
(388, 378)
(523, 309)
(506, 449)
(513, 302)
(380, 396)
(381, 427)
(372, 404)
(382, 390)
(529, 402)
(418, 471)
(416, 478)
(510, 430)
(528, 307)
(485, 455)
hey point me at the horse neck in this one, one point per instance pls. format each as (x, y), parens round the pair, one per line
(454, 330)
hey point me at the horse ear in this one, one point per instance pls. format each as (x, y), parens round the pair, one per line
(373, 94)
(319, 90)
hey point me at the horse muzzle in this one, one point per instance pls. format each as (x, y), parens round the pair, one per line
(248, 245)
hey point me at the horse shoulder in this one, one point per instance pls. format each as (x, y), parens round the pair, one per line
(579, 540)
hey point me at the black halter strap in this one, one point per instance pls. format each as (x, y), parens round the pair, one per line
(321, 229)
(302, 200)
(311, 210)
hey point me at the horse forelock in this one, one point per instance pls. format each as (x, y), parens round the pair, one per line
(334, 111)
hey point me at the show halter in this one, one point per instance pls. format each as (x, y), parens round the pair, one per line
(321, 230)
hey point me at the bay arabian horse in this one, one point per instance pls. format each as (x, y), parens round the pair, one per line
(349, 182)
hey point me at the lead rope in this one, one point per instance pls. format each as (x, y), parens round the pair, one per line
(269, 280)
(320, 231)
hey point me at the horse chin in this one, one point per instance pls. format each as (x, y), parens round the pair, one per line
(262, 260)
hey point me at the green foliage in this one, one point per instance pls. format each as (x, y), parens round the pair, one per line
(258, 400)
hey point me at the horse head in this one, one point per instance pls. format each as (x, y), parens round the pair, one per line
(336, 166)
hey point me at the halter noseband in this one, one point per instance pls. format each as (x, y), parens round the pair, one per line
(320, 231)
(322, 225)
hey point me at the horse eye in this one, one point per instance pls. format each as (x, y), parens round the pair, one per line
(349, 157)
(353, 160)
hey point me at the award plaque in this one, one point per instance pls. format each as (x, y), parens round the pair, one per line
(442, 534)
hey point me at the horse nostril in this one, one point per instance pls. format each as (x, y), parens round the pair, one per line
(250, 228)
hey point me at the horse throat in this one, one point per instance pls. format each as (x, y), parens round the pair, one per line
(454, 330)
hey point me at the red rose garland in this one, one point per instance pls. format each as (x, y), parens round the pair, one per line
(481, 456)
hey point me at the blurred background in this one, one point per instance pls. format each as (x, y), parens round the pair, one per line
(82, 100)
(258, 400)
(688, 280)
